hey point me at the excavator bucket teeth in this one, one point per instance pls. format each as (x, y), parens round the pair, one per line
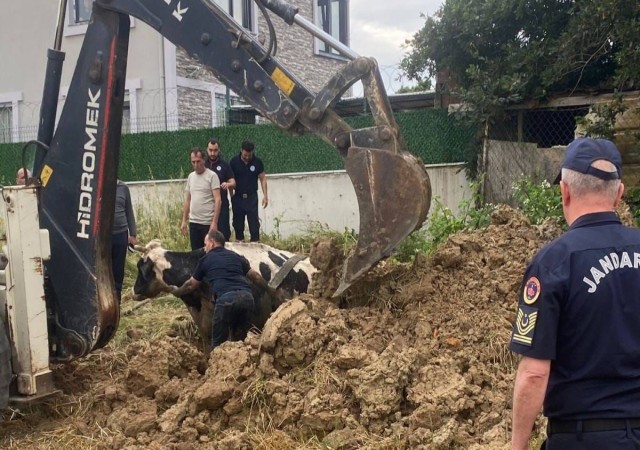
(394, 195)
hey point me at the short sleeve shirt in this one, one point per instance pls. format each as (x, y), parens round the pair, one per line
(579, 306)
(246, 175)
(201, 187)
(224, 271)
(224, 172)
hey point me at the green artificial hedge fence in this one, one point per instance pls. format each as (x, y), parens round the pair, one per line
(431, 134)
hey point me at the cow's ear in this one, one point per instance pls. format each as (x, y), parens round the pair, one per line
(155, 243)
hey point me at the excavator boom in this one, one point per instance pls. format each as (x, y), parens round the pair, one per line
(78, 170)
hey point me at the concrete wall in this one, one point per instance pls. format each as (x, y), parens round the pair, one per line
(300, 200)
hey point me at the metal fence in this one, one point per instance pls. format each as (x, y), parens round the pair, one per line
(531, 143)
(151, 110)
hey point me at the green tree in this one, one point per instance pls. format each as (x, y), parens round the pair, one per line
(504, 51)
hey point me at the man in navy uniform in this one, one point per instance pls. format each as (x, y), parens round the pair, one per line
(228, 275)
(578, 319)
(227, 183)
(248, 169)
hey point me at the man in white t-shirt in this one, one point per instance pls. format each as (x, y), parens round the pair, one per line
(202, 203)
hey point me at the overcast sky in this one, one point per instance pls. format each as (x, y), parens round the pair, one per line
(379, 28)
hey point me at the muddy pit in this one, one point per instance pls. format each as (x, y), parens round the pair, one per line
(415, 358)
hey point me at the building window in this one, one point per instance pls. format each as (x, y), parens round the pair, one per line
(10, 118)
(223, 115)
(78, 16)
(240, 10)
(6, 130)
(81, 11)
(333, 17)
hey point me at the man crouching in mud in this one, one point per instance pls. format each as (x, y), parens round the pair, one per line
(226, 273)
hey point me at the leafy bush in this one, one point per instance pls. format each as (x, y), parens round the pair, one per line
(443, 223)
(538, 201)
(416, 242)
(632, 197)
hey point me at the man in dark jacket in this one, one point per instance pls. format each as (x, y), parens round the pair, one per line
(123, 234)
(248, 169)
(227, 183)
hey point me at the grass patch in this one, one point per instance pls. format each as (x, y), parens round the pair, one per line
(160, 317)
(504, 358)
(163, 225)
(472, 214)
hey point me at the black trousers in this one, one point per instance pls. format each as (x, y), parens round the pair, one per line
(119, 242)
(627, 439)
(246, 205)
(197, 233)
(232, 314)
(223, 221)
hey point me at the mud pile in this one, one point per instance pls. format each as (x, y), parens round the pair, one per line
(421, 363)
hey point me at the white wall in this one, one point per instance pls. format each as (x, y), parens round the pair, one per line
(27, 30)
(299, 200)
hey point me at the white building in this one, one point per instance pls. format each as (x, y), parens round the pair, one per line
(165, 89)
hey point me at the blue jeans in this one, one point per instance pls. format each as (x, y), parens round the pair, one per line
(232, 314)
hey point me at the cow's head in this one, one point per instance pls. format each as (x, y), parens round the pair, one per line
(151, 267)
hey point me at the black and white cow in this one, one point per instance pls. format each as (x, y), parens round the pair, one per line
(268, 261)
(159, 268)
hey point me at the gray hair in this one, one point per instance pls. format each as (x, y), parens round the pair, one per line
(581, 184)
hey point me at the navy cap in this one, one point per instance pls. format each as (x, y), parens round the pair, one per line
(582, 152)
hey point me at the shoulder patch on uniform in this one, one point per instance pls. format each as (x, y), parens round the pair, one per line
(525, 325)
(531, 291)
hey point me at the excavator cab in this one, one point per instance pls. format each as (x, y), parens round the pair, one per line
(77, 160)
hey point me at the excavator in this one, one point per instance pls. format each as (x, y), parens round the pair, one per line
(57, 295)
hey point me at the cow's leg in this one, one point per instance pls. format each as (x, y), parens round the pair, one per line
(275, 301)
(206, 322)
(202, 317)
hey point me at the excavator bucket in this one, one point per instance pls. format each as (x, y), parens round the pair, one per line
(394, 195)
(391, 184)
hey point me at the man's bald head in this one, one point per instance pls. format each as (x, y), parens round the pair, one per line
(21, 180)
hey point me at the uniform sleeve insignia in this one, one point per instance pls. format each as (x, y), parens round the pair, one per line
(525, 325)
(531, 291)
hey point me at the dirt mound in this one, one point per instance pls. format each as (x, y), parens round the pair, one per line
(422, 363)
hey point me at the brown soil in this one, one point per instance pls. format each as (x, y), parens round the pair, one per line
(418, 360)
